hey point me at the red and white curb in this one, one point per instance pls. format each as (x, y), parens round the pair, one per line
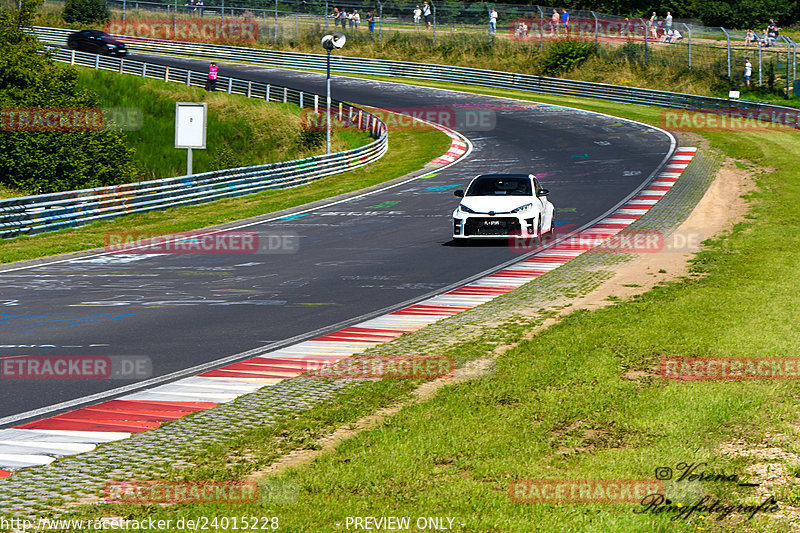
(42, 441)
(457, 148)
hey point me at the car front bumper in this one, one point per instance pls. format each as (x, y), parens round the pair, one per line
(482, 226)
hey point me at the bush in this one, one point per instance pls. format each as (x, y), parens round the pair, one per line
(312, 137)
(50, 161)
(631, 52)
(746, 13)
(563, 56)
(43, 162)
(86, 11)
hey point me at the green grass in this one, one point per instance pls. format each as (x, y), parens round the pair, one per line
(561, 405)
(409, 150)
(241, 131)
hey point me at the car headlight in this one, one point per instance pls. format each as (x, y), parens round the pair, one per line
(465, 208)
(522, 208)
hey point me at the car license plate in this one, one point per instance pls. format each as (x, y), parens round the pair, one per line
(491, 222)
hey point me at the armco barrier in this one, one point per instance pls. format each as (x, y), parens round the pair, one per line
(48, 212)
(444, 73)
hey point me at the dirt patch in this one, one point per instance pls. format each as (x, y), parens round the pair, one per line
(720, 208)
(772, 473)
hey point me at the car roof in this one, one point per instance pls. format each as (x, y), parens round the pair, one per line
(505, 176)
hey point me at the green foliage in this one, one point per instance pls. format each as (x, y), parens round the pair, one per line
(771, 76)
(632, 52)
(222, 157)
(311, 138)
(48, 161)
(42, 162)
(745, 13)
(563, 56)
(86, 11)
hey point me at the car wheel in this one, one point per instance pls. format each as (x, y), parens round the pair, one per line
(552, 230)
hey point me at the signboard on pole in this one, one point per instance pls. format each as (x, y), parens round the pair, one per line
(190, 128)
(190, 125)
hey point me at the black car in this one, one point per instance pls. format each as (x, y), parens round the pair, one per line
(97, 42)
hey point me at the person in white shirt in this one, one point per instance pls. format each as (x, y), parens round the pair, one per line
(493, 20)
(748, 71)
(417, 16)
(426, 14)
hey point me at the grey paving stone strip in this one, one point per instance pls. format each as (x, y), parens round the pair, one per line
(48, 489)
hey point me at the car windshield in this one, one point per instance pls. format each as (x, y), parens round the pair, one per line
(500, 186)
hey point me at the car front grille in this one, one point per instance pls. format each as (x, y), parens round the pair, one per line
(492, 226)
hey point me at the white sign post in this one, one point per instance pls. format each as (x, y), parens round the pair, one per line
(190, 128)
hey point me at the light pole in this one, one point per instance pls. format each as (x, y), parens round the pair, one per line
(329, 42)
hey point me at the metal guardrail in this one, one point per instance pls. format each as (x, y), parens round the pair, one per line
(29, 215)
(450, 74)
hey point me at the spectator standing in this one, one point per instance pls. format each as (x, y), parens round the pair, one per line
(668, 22)
(343, 18)
(199, 4)
(493, 20)
(749, 38)
(426, 14)
(652, 26)
(748, 71)
(211, 84)
(554, 21)
(565, 21)
(417, 16)
(356, 20)
(371, 21)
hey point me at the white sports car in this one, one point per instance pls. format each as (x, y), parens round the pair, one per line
(503, 206)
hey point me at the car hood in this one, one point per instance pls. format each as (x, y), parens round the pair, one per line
(498, 204)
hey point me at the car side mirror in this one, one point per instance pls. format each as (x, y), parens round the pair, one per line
(542, 192)
(459, 193)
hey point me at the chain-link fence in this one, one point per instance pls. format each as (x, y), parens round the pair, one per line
(661, 42)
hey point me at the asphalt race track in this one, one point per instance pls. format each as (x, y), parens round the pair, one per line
(365, 254)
